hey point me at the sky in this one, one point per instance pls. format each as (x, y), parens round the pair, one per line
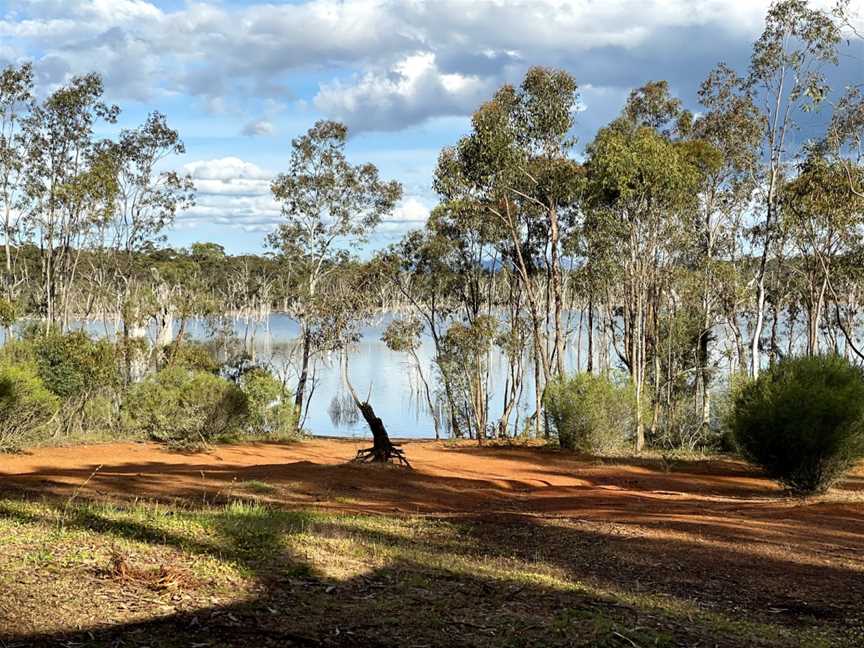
(240, 78)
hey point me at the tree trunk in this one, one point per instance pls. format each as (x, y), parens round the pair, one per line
(304, 374)
(383, 450)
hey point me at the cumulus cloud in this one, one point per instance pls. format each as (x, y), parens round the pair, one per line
(230, 192)
(411, 91)
(235, 193)
(392, 63)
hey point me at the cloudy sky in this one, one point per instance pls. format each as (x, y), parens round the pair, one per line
(241, 78)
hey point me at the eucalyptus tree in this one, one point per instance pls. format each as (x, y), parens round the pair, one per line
(843, 148)
(724, 144)
(70, 185)
(639, 186)
(515, 166)
(328, 204)
(826, 219)
(785, 78)
(16, 101)
(147, 201)
(405, 336)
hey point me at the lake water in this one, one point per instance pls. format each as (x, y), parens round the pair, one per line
(374, 369)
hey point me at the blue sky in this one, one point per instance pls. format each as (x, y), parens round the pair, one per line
(240, 78)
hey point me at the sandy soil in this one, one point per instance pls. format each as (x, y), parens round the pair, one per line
(717, 500)
(714, 532)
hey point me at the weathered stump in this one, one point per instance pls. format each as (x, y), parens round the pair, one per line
(383, 450)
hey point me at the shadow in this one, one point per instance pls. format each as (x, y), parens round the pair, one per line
(602, 552)
(645, 592)
(733, 504)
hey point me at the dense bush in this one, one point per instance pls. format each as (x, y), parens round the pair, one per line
(802, 421)
(185, 408)
(590, 413)
(84, 374)
(74, 365)
(271, 406)
(192, 355)
(25, 405)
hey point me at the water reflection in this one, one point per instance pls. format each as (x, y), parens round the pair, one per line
(388, 377)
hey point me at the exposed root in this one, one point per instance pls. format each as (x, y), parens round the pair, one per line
(393, 454)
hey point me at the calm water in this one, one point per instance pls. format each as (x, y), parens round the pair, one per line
(390, 379)
(395, 387)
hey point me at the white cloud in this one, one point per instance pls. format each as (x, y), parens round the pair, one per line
(411, 211)
(258, 127)
(234, 193)
(419, 57)
(230, 192)
(383, 64)
(226, 169)
(415, 88)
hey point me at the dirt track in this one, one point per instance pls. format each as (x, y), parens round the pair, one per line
(710, 501)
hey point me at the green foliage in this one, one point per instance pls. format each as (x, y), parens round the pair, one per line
(403, 335)
(185, 408)
(72, 365)
(195, 356)
(271, 406)
(25, 405)
(590, 413)
(802, 421)
(9, 313)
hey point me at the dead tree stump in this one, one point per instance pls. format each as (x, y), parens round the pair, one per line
(383, 450)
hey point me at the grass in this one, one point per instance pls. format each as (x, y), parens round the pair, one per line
(247, 574)
(257, 487)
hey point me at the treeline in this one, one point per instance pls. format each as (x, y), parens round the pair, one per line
(678, 251)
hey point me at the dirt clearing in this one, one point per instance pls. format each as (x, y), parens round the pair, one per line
(674, 553)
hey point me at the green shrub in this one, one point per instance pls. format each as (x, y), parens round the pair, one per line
(191, 355)
(26, 405)
(590, 413)
(802, 421)
(185, 408)
(74, 365)
(271, 406)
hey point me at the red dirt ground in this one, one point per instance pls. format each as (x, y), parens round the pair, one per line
(711, 501)
(714, 531)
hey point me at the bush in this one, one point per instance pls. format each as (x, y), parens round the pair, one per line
(185, 408)
(73, 365)
(191, 355)
(590, 413)
(802, 421)
(271, 406)
(25, 405)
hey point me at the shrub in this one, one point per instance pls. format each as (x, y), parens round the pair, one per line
(191, 355)
(25, 405)
(185, 408)
(73, 365)
(590, 413)
(271, 406)
(802, 421)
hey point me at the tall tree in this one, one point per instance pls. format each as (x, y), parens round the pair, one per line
(640, 183)
(70, 185)
(16, 101)
(328, 204)
(785, 78)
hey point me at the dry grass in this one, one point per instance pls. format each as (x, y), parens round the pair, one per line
(245, 574)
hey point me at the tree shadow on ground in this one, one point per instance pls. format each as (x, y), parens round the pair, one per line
(503, 580)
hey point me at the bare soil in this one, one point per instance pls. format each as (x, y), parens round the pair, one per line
(711, 531)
